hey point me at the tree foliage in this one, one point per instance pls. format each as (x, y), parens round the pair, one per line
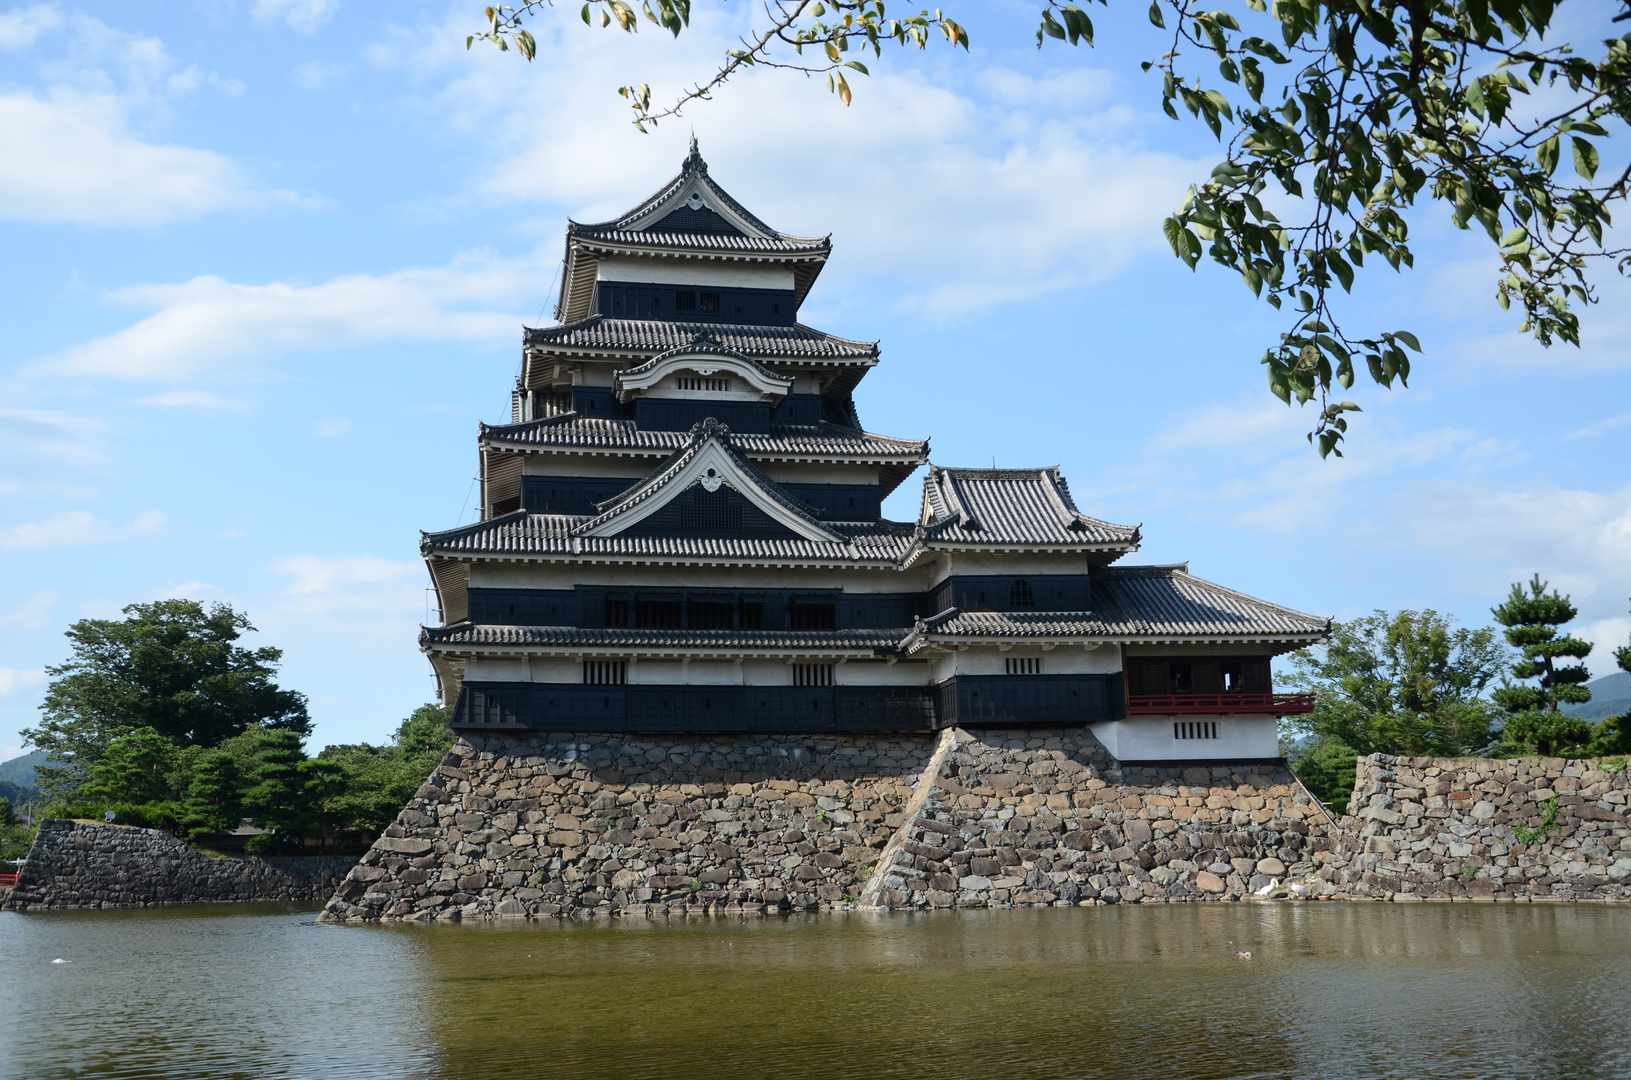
(1532, 618)
(170, 667)
(1408, 683)
(1347, 110)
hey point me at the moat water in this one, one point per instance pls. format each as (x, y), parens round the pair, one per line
(1330, 990)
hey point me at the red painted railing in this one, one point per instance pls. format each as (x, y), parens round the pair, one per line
(1195, 704)
(8, 881)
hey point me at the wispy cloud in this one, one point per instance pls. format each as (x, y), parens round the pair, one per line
(1591, 431)
(211, 326)
(73, 153)
(15, 682)
(304, 16)
(194, 399)
(76, 528)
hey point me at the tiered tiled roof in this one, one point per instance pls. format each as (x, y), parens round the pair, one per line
(1011, 507)
(735, 640)
(602, 334)
(520, 535)
(655, 487)
(1166, 601)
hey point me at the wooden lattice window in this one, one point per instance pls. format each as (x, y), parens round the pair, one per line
(812, 674)
(712, 614)
(605, 672)
(1020, 594)
(1023, 665)
(806, 615)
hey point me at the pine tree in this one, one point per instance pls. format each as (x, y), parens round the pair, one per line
(273, 797)
(214, 801)
(1532, 620)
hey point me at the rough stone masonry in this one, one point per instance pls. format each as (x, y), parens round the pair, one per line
(566, 825)
(76, 864)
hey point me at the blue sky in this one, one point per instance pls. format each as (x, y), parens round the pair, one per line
(267, 265)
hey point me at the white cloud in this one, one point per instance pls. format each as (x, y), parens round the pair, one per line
(208, 326)
(1591, 431)
(317, 576)
(17, 681)
(21, 27)
(316, 75)
(305, 16)
(959, 194)
(69, 158)
(194, 399)
(76, 528)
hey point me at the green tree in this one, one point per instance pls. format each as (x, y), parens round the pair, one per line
(1407, 684)
(134, 768)
(381, 779)
(1344, 111)
(1613, 735)
(323, 785)
(214, 797)
(1534, 724)
(275, 789)
(171, 666)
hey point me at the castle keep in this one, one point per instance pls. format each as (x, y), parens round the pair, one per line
(681, 533)
(694, 668)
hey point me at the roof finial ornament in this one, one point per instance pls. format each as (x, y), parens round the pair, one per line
(693, 160)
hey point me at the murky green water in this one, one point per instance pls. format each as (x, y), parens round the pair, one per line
(1330, 991)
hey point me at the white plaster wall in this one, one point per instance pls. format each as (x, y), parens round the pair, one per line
(880, 673)
(672, 271)
(1150, 738)
(498, 669)
(767, 673)
(949, 563)
(1064, 660)
(556, 669)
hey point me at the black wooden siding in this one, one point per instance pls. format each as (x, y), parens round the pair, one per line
(1049, 592)
(840, 502)
(697, 511)
(1053, 701)
(671, 414)
(692, 303)
(571, 494)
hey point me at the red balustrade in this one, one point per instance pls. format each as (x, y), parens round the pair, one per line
(1194, 704)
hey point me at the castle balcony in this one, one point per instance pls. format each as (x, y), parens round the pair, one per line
(1218, 704)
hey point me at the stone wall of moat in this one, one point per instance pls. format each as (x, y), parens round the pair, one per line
(78, 864)
(1436, 829)
(555, 825)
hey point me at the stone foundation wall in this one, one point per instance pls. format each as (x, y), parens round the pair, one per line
(557, 825)
(1437, 829)
(94, 865)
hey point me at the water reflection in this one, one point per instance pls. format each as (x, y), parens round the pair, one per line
(1329, 991)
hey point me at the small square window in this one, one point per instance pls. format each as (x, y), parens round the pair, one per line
(710, 303)
(685, 301)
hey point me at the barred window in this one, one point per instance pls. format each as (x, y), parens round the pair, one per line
(1020, 594)
(605, 672)
(1198, 729)
(812, 674)
(710, 302)
(813, 616)
(685, 301)
(753, 615)
(711, 614)
(657, 615)
(686, 382)
(617, 614)
(1023, 665)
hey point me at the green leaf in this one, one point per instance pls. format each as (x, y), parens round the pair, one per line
(1077, 24)
(586, 21)
(1051, 27)
(1408, 338)
(1475, 98)
(1546, 155)
(1585, 158)
(858, 66)
(1155, 14)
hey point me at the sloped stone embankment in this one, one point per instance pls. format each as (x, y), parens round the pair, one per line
(76, 864)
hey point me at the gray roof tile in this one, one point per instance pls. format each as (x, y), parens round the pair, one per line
(998, 507)
(763, 343)
(1168, 601)
(817, 441)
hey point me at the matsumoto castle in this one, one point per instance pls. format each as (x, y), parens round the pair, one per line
(681, 532)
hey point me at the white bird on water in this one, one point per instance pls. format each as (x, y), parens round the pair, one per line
(1274, 883)
(60, 960)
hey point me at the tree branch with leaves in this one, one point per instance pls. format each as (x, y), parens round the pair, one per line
(1348, 110)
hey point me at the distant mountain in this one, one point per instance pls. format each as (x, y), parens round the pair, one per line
(19, 771)
(1610, 696)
